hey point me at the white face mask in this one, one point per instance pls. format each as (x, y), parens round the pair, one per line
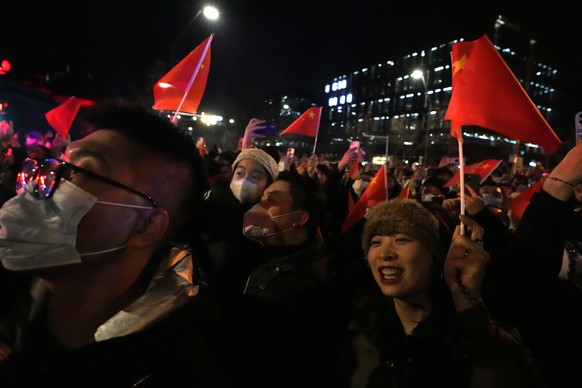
(427, 197)
(49, 237)
(259, 224)
(359, 186)
(245, 191)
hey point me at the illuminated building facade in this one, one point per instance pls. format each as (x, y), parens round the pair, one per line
(383, 101)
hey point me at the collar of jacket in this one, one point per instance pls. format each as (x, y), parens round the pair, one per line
(262, 277)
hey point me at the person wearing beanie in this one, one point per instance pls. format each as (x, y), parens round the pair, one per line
(254, 170)
(224, 206)
(425, 323)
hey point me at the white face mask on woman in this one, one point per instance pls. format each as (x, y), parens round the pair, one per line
(48, 236)
(245, 191)
(359, 186)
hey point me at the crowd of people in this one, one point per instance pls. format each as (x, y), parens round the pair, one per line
(139, 257)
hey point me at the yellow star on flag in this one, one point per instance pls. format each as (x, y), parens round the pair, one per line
(459, 64)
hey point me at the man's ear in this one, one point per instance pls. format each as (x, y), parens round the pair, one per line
(301, 219)
(152, 230)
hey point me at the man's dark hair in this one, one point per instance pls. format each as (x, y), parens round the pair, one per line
(306, 195)
(158, 136)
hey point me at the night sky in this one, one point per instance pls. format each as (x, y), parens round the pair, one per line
(261, 46)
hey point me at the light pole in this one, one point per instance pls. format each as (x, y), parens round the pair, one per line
(387, 138)
(419, 74)
(209, 12)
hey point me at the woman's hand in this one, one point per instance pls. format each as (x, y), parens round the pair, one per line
(349, 156)
(566, 175)
(474, 203)
(250, 135)
(465, 265)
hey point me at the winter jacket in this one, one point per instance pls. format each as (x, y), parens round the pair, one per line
(158, 341)
(448, 349)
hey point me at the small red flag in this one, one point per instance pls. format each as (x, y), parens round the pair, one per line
(61, 118)
(483, 169)
(487, 94)
(307, 124)
(354, 171)
(183, 86)
(373, 195)
(521, 202)
(405, 192)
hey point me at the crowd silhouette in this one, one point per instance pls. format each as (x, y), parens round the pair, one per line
(137, 256)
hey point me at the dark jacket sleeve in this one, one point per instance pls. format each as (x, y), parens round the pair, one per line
(497, 355)
(534, 253)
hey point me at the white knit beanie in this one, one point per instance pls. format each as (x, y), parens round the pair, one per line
(260, 156)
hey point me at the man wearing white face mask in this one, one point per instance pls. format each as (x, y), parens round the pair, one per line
(287, 311)
(253, 170)
(114, 301)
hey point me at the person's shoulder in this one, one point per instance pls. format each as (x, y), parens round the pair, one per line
(220, 195)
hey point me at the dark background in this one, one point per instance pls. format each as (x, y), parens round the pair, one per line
(121, 48)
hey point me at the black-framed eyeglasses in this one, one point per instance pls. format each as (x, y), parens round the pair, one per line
(42, 179)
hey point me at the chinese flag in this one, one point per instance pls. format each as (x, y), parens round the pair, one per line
(307, 124)
(355, 167)
(61, 118)
(487, 94)
(373, 195)
(405, 192)
(183, 86)
(521, 202)
(483, 169)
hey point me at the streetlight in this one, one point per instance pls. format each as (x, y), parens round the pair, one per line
(419, 74)
(387, 138)
(209, 12)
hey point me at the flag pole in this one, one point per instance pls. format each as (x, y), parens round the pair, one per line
(461, 176)
(194, 74)
(317, 134)
(386, 179)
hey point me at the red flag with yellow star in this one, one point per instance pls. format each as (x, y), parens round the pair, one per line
(483, 169)
(487, 94)
(307, 124)
(181, 89)
(373, 195)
